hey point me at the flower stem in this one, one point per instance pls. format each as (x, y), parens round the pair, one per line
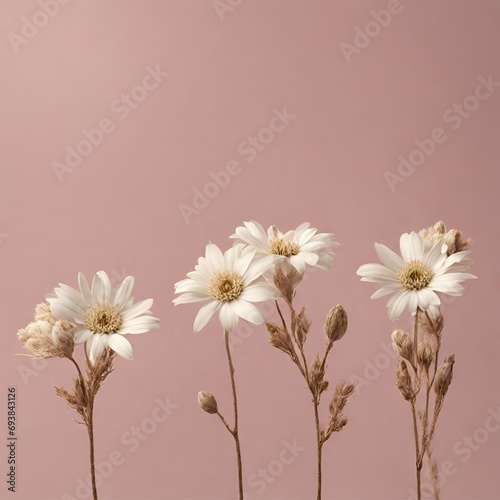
(90, 429)
(320, 448)
(418, 461)
(234, 431)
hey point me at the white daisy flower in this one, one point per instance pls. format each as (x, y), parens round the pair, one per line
(229, 283)
(102, 315)
(297, 248)
(415, 277)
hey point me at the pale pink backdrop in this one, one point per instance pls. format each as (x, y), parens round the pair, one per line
(355, 109)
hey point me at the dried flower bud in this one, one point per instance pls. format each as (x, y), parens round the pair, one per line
(425, 354)
(432, 325)
(207, 402)
(402, 344)
(337, 418)
(303, 326)
(403, 381)
(278, 338)
(46, 341)
(444, 376)
(286, 283)
(316, 377)
(335, 325)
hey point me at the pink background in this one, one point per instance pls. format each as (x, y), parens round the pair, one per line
(119, 211)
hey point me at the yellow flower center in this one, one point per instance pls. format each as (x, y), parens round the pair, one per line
(103, 318)
(279, 246)
(225, 286)
(414, 275)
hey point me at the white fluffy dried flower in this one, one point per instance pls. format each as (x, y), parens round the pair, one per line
(46, 340)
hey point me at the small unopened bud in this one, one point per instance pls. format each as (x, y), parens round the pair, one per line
(444, 376)
(425, 354)
(207, 402)
(335, 323)
(403, 381)
(303, 326)
(402, 344)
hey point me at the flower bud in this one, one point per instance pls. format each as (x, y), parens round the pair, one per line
(207, 402)
(402, 344)
(336, 323)
(444, 376)
(425, 354)
(403, 381)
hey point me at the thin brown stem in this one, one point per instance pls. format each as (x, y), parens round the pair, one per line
(234, 432)
(418, 464)
(295, 358)
(90, 430)
(418, 460)
(320, 447)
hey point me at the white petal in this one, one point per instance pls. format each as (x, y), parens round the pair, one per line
(189, 297)
(190, 285)
(121, 346)
(257, 268)
(82, 336)
(376, 273)
(62, 312)
(397, 305)
(259, 292)
(227, 317)
(142, 324)
(389, 258)
(386, 290)
(95, 347)
(106, 286)
(137, 309)
(85, 289)
(298, 263)
(70, 305)
(241, 265)
(204, 314)
(73, 296)
(122, 292)
(248, 311)
(215, 259)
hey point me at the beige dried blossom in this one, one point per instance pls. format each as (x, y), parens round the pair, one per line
(444, 376)
(403, 381)
(207, 402)
(287, 283)
(338, 421)
(425, 354)
(336, 323)
(452, 239)
(303, 324)
(403, 345)
(278, 338)
(46, 340)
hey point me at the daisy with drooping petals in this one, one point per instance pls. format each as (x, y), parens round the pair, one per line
(416, 275)
(103, 315)
(297, 248)
(230, 283)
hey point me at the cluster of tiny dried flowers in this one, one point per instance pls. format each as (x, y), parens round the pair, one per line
(48, 337)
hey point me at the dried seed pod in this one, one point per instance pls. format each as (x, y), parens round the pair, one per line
(402, 344)
(336, 323)
(444, 376)
(207, 402)
(403, 381)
